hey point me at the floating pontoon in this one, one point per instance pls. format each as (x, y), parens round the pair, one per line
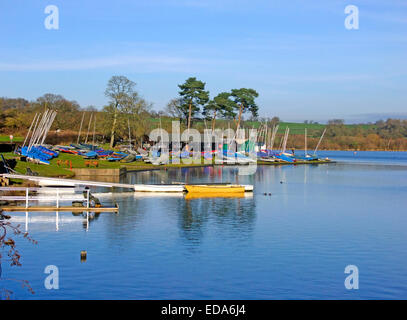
(57, 182)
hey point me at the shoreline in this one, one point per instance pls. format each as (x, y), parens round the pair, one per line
(59, 167)
(132, 169)
(370, 150)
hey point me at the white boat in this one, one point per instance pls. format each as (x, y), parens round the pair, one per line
(63, 190)
(238, 159)
(159, 188)
(136, 187)
(54, 183)
(268, 159)
(158, 194)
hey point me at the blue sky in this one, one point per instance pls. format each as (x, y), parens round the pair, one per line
(297, 54)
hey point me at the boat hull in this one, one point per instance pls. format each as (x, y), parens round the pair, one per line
(215, 189)
(50, 183)
(158, 188)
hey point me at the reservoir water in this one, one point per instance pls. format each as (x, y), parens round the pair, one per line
(291, 239)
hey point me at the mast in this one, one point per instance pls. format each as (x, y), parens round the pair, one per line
(265, 135)
(41, 126)
(80, 129)
(34, 131)
(273, 137)
(87, 134)
(128, 124)
(287, 130)
(269, 138)
(94, 130)
(38, 129)
(319, 142)
(281, 142)
(29, 130)
(48, 126)
(305, 149)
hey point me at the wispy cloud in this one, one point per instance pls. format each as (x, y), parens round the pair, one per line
(148, 63)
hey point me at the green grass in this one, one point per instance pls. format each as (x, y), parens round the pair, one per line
(313, 129)
(299, 128)
(6, 138)
(43, 170)
(53, 170)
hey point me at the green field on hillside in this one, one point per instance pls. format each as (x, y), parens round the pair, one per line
(295, 128)
(313, 129)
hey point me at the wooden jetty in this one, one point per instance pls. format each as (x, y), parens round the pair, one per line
(62, 208)
(57, 198)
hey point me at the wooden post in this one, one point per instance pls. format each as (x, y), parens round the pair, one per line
(26, 197)
(83, 255)
(57, 198)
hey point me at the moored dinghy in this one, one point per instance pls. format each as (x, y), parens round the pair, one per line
(159, 188)
(215, 188)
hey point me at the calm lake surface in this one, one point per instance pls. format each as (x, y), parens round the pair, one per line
(292, 244)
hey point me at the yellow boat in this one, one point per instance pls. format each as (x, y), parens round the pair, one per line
(204, 188)
(212, 195)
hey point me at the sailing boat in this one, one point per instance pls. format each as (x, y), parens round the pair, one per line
(35, 150)
(268, 155)
(306, 156)
(283, 155)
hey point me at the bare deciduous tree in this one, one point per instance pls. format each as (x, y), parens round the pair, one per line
(8, 245)
(119, 90)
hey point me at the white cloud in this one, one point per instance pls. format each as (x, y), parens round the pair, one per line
(148, 63)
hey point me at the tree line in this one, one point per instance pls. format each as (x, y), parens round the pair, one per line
(128, 114)
(194, 100)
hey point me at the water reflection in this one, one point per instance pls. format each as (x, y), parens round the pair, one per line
(187, 175)
(123, 227)
(221, 215)
(196, 215)
(47, 221)
(291, 244)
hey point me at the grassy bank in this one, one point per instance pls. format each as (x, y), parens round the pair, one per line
(6, 138)
(63, 170)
